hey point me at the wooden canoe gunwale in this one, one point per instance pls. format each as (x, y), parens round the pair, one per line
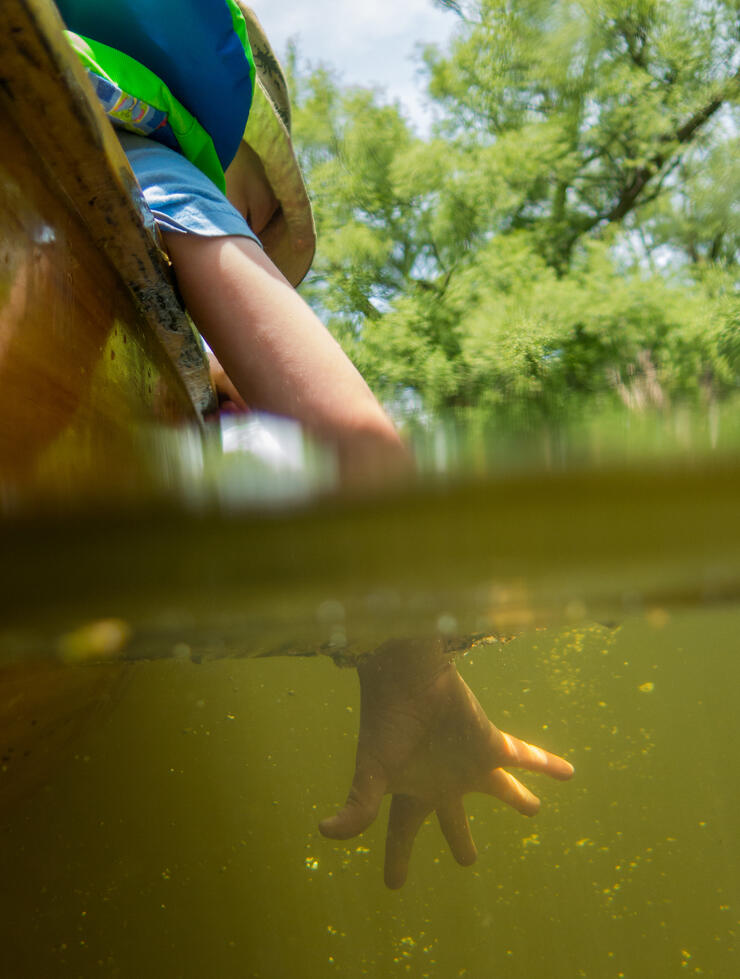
(44, 89)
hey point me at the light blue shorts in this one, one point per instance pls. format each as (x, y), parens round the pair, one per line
(180, 197)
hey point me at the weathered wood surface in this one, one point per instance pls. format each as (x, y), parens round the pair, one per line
(94, 344)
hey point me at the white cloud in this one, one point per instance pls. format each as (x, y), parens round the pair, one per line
(368, 43)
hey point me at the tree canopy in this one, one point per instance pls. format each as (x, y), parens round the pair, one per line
(568, 230)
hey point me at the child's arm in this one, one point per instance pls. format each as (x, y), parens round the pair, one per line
(279, 355)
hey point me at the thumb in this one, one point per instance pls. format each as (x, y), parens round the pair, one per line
(361, 808)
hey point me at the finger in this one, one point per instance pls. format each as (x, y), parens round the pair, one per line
(536, 759)
(453, 822)
(510, 790)
(361, 807)
(406, 816)
(229, 408)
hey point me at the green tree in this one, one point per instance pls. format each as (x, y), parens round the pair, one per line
(569, 230)
(602, 100)
(700, 218)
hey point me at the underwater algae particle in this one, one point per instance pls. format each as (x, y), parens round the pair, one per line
(569, 659)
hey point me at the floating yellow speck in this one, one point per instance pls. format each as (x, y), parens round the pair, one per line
(685, 954)
(647, 687)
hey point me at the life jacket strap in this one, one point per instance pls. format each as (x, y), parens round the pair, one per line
(134, 115)
(153, 111)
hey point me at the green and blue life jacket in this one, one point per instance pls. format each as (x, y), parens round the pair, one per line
(179, 71)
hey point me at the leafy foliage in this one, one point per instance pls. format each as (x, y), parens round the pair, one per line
(569, 232)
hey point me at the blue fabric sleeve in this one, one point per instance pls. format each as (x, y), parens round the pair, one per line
(180, 197)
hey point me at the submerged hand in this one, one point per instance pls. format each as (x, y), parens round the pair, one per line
(425, 739)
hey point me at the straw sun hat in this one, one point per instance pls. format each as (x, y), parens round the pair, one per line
(290, 237)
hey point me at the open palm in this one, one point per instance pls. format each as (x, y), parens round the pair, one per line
(425, 739)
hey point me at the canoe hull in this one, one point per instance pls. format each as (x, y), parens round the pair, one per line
(94, 345)
(78, 369)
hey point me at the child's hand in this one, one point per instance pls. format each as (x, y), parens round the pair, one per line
(425, 738)
(229, 400)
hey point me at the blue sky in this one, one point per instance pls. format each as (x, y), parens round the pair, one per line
(368, 43)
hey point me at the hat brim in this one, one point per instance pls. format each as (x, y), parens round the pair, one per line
(290, 238)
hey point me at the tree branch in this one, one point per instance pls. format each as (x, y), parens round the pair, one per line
(683, 134)
(716, 247)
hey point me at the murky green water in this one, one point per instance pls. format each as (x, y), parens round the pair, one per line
(169, 828)
(179, 839)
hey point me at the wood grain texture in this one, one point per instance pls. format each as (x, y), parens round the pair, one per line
(94, 344)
